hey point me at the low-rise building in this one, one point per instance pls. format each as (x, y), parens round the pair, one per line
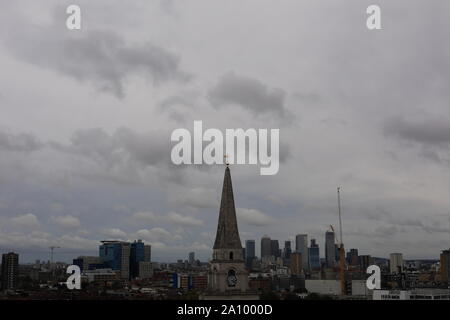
(331, 287)
(145, 270)
(101, 275)
(415, 294)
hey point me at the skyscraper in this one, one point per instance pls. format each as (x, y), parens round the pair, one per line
(296, 264)
(274, 248)
(249, 252)
(228, 266)
(287, 250)
(10, 270)
(137, 254)
(266, 247)
(330, 254)
(314, 255)
(116, 255)
(301, 246)
(147, 253)
(365, 261)
(352, 257)
(396, 262)
(191, 258)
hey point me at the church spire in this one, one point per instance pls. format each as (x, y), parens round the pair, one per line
(227, 236)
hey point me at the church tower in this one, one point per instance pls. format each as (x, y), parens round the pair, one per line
(228, 273)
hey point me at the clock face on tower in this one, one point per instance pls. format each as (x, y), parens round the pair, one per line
(232, 279)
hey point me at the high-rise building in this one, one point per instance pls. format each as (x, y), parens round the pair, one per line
(352, 257)
(330, 250)
(10, 270)
(296, 263)
(191, 258)
(445, 266)
(396, 262)
(336, 253)
(287, 250)
(249, 252)
(301, 246)
(274, 248)
(116, 255)
(88, 263)
(137, 254)
(228, 272)
(147, 253)
(266, 247)
(365, 261)
(314, 255)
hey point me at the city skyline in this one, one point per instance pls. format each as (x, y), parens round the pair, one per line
(87, 117)
(234, 272)
(69, 256)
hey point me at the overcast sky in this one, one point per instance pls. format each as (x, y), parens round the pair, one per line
(86, 118)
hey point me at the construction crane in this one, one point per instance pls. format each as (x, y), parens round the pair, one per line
(51, 252)
(341, 247)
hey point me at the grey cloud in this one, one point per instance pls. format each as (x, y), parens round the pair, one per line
(120, 147)
(386, 231)
(187, 221)
(248, 93)
(406, 222)
(101, 57)
(28, 220)
(430, 131)
(376, 214)
(195, 198)
(174, 101)
(430, 134)
(21, 142)
(349, 75)
(254, 217)
(67, 221)
(401, 224)
(436, 229)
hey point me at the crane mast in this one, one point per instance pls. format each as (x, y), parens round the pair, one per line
(341, 247)
(339, 211)
(52, 267)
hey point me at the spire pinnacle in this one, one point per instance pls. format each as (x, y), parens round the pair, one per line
(227, 236)
(225, 157)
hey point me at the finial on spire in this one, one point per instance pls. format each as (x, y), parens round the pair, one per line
(226, 160)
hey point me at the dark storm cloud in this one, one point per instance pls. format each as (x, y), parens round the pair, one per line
(248, 93)
(21, 142)
(123, 147)
(101, 57)
(429, 131)
(341, 79)
(386, 231)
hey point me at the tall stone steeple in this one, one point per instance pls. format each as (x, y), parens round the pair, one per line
(227, 236)
(227, 276)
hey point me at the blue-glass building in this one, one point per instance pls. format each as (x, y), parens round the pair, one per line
(137, 254)
(314, 258)
(116, 255)
(249, 252)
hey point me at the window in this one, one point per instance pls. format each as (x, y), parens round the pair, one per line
(231, 255)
